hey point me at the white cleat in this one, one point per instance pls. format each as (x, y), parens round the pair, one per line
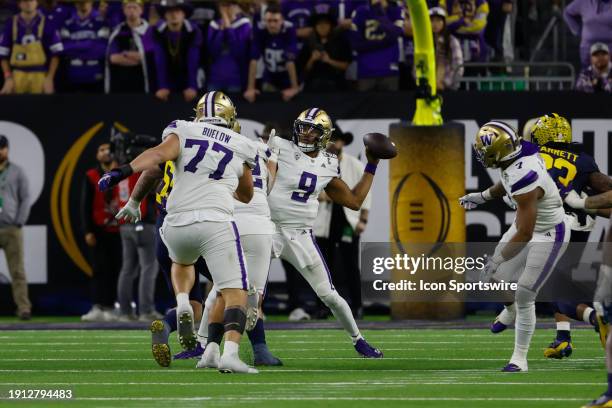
(211, 356)
(96, 314)
(231, 363)
(298, 315)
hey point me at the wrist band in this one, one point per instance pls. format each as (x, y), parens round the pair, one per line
(370, 168)
(486, 195)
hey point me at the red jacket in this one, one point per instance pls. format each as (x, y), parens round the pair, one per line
(99, 208)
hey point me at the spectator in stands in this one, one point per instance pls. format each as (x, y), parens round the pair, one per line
(499, 11)
(14, 211)
(112, 12)
(467, 20)
(139, 261)
(85, 37)
(325, 56)
(29, 52)
(130, 62)
(102, 236)
(299, 13)
(449, 57)
(177, 53)
(344, 10)
(337, 229)
(228, 47)
(375, 35)
(56, 13)
(592, 20)
(277, 44)
(597, 77)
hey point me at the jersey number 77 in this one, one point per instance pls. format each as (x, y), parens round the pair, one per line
(202, 145)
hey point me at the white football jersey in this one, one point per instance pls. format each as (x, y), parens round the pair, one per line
(206, 172)
(526, 174)
(299, 180)
(254, 217)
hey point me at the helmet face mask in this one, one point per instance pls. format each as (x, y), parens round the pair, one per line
(312, 130)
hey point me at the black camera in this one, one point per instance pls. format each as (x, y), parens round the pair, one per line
(125, 146)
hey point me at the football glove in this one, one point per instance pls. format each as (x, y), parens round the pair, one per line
(473, 200)
(130, 212)
(490, 267)
(113, 177)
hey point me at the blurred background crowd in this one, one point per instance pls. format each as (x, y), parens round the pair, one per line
(292, 46)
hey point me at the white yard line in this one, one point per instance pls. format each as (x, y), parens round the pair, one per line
(601, 359)
(301, 383)
(283, 370)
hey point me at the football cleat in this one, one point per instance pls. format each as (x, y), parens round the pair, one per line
(558, 349)
(159, 343)
(498, 327)
(187, 354)
(366, 350)
(210, 357)
(602, 328)
(263, 356)
(231, 363)
(186, 334)
(602, 402)
(512, 368)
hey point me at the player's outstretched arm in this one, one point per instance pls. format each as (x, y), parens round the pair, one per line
(146, 182)
(340, 193)
(169, 149)
(473, 200)
(600, 182)
(244, 192)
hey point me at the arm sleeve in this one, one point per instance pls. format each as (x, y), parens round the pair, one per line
(51, 40)
(572, 17)
(24, 200)
(87, 195)
(193, 58)
(6, 41)
(161, 63)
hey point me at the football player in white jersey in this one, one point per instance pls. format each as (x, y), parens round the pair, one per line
(213, 165)
(538, 237)
(304, 169)
(256, 231)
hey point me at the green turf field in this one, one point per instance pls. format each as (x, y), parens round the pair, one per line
(421, 368)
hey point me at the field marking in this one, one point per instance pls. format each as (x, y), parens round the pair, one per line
(343, 383)
(286, 370)
(602, 358)
(309, 398)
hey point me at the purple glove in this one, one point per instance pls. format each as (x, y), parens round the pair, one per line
(113, 177)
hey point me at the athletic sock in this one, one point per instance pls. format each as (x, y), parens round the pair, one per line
(170, 320)
(563, 331)
(208, 305)
(589, 316)
(508, 315)
(342, 312)
(524, 328)
(258, 334)
(182, 302)
(356, 338)
(230, 347)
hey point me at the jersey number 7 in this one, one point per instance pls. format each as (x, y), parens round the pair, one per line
(192, 166)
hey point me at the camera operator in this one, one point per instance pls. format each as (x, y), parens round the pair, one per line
(137, 239)
(102, 236)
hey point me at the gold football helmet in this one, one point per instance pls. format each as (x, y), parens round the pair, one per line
(237, 128)
(551, 128)
(495, 143)
(216, 108)
(312, 130)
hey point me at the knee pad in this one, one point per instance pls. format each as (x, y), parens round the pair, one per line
(331, 299)
(234, 318)
(524, 297)
(568, 309)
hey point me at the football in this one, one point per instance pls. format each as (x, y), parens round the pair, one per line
(380, 145)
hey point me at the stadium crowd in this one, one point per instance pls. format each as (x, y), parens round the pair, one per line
(253, 46)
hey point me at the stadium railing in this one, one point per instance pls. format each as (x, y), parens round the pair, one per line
(517, 76)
